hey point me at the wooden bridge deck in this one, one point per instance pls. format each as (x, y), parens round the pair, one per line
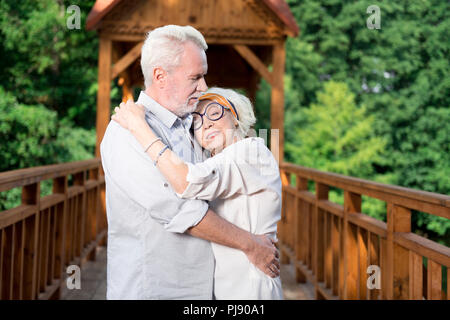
(93, 282)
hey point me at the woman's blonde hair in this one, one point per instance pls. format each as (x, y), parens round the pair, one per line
(243, 107)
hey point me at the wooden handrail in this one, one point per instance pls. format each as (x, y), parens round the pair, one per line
(43, 235)
(332, 245)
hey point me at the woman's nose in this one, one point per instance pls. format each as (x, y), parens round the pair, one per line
(207, 123)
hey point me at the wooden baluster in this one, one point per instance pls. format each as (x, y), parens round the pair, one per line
(352, 204)
(301, 185)
(373, 253)
(80, 200)
(415, 276)
(318, 249)
(30, 196)
(328, 250)
(434, 281)
(94, 212)
(60, 186)
(362, 263)
(335, 242)
(285, 178)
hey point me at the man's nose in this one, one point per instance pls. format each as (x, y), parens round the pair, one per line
(202, 85)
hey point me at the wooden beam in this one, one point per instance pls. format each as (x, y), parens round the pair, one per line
(255, 62)
(277, 103)
(104, 91)
(126, 60)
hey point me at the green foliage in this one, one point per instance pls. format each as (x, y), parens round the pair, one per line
(33, 135)
(44, 62)
(337, 135)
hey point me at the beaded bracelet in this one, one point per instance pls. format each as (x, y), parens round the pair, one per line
(159, 154)
(151, 143)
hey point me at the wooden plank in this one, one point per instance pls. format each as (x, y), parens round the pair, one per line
(434, 280)
(437, 204)
(368, 223)
(126, 60)
(17, 214)
(415, 276)
(104, 90)
(331, 207)
(22, 177)
(254, 62)
(424, 247)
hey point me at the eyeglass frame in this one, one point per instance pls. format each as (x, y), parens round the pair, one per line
(204, 113)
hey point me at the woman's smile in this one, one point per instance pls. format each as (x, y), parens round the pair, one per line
(212, 135)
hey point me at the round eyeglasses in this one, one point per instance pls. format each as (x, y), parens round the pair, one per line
(213, 111)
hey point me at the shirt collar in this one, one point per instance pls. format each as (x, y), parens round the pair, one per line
(165, 116)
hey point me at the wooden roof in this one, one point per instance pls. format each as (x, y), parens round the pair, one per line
(279, 7)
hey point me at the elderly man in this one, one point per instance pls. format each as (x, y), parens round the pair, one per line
(158, 244)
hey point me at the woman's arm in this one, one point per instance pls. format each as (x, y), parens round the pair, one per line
(132, 117)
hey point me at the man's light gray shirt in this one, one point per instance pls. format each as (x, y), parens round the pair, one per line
(149, 256)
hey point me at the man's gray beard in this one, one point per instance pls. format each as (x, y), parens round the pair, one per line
(184, 110)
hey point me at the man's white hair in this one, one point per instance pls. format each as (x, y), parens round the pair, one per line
(164, 47)
(243, 107)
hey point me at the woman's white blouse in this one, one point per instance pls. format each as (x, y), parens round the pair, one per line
(243, 186)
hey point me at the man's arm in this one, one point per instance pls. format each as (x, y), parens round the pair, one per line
(258, 248)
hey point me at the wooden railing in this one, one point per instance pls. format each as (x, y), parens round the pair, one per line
(332, 245)
(43, 235)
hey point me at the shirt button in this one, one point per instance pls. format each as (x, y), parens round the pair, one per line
(166, 185)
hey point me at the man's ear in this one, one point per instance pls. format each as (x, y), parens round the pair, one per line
(159, 77)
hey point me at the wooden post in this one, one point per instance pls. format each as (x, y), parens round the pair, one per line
(397, 264)
(277, 102)
(31, 196)
(104, 90)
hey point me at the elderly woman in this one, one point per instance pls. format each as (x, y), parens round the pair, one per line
(241, 180)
